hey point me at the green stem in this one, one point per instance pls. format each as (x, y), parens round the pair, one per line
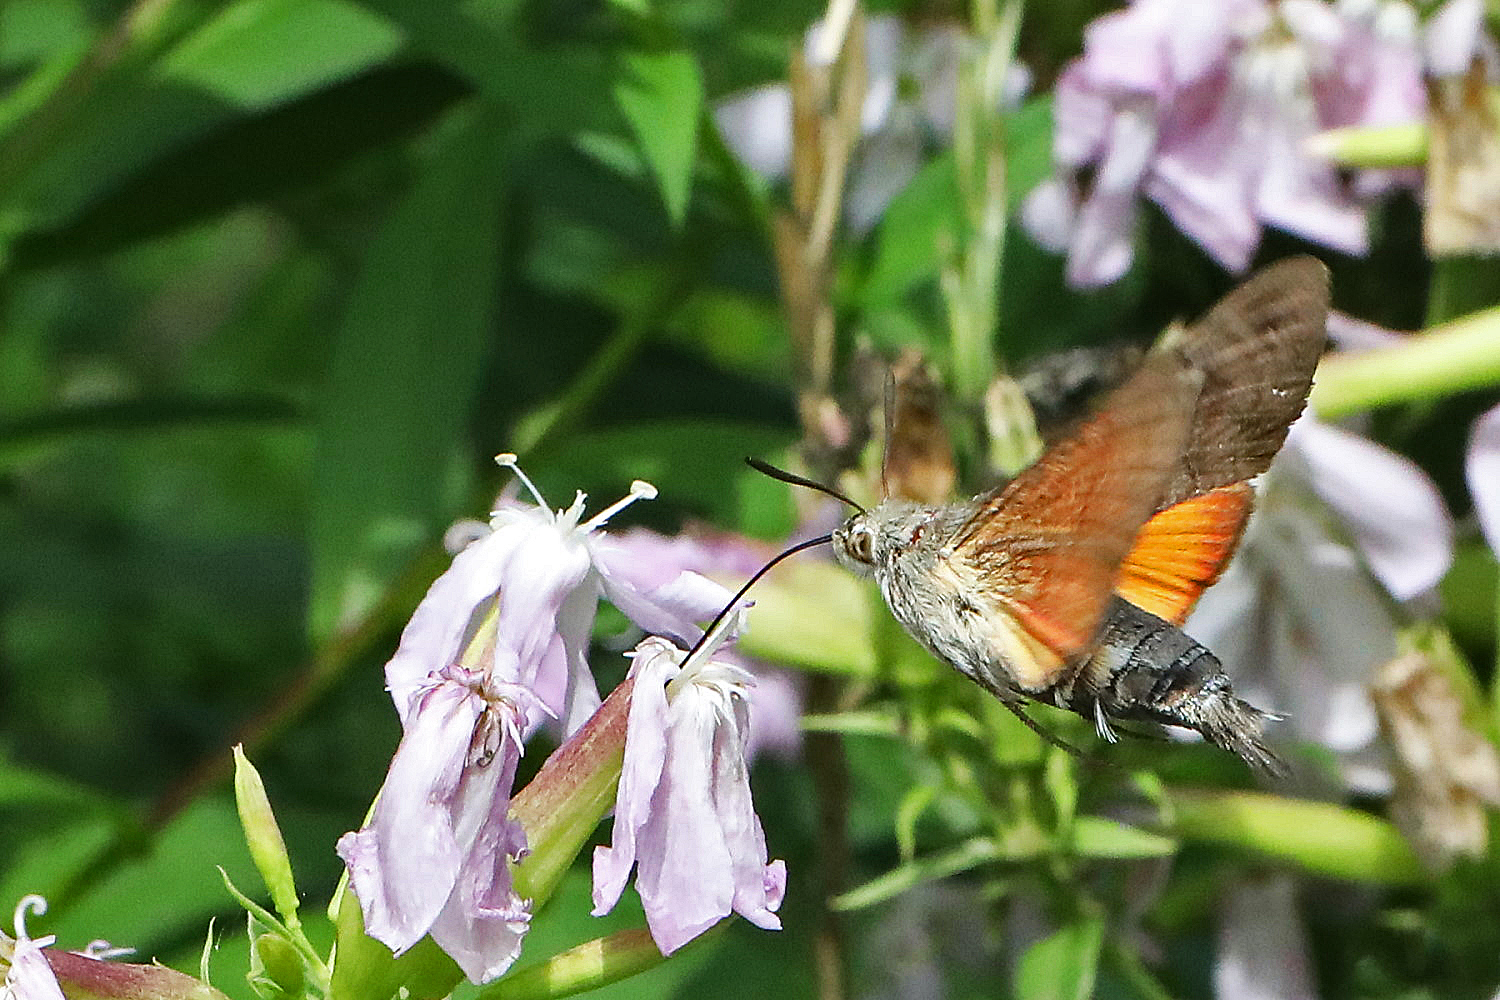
(587, 966)
(1461, 354)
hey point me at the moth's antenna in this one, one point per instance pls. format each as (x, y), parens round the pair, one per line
(796, 480)
(722, 618)
(889, 406)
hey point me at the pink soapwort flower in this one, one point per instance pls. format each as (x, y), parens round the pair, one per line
(1304, 614)
(1482, 470)
(30, 977)
(541, 573)
(498, 644)
(683, 813)
(1207, 109)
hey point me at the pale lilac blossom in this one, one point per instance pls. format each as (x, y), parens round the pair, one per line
(498, 645)
(909, 106)
(30, 977)
(1306, 611)
(1482, 470)
(1207, 109)
(683, 812)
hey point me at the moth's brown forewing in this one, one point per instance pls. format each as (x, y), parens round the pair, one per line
(1257, 350)
(1045, 550)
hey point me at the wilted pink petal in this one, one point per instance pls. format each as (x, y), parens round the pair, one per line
(29, 976)
(683, 813)
(1393, 511)
(1482, 469)
(434, 856)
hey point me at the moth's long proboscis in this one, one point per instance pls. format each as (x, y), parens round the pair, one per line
(723, 616)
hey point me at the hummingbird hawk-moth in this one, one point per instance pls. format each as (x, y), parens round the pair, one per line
(1068, 584)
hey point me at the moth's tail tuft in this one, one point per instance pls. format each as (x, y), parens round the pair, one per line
(1237, 726)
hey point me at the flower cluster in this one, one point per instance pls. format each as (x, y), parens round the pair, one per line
(1208, 109)
(496, 648)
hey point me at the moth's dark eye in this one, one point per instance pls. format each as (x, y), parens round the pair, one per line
(862, 545)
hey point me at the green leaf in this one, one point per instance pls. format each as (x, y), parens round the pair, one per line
(254, 55)
(1097, 837)
(1062, 966)
(1322, 838)
(968, 855)
(661, 95)
(405, 370)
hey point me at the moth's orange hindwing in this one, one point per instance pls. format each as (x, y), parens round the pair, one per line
(1182, 550)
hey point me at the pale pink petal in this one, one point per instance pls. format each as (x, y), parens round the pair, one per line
(1393, 511)
(1301, 195)
(435, 856)
(758, 886)
(1049, 213)
(1452, 37)
(683, 812)
(30, 976)
(1103, 240)
(757, 125)
(404, 863)
(685, 879)
(1482, 469)
(640, 773)
(1081, 118)
(438, 627)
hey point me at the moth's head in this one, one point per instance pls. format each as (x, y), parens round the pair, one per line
(872, 538)
(856, 543)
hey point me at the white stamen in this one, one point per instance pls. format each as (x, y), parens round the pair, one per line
(639, 490)
(104, 951)
(507, 460)
(37, 905)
